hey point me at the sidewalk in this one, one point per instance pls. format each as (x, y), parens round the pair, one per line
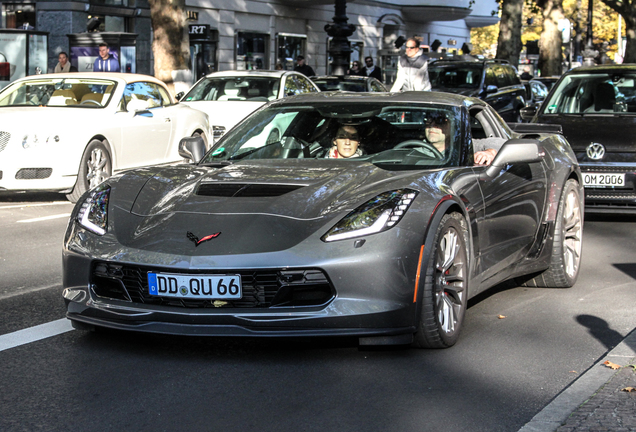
(596, 400)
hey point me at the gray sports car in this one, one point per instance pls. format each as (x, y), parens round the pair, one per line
(330, 214)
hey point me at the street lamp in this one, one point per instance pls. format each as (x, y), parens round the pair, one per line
(589, 53)
(339, 47)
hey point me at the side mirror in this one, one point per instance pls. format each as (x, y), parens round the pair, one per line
(192, 148)
(179, 95)
(528, 113)
(515, 151)
(492, 89)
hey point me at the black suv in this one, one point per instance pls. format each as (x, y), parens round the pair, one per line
(494, 81)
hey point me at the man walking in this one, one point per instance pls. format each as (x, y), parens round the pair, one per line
(412, 71)
(371, 70)
(105, 62)
(303, 68)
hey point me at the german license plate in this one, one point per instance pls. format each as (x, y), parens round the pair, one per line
(603, 180)
(195, 286)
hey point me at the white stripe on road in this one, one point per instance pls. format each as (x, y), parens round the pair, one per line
(44, 218)
(34, 205)
(33, 334)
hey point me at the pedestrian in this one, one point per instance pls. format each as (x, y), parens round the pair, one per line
(370, 70)
(63, 64)
(303, 68)
(526, 75)
(105, 62)
(279, 66)
(412, 71)
(355, 69)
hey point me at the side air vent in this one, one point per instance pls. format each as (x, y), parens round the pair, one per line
(244, 190)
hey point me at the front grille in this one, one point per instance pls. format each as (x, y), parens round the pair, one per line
(244, 190)
(261, 288)
(608, 168)
(33, 173)
(4, 140)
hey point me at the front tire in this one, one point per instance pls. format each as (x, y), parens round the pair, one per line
(565, 261)
(95, 167)
(444, 298)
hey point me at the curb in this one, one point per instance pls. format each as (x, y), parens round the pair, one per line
(581, 390)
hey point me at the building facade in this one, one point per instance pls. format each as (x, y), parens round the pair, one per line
(256, 34)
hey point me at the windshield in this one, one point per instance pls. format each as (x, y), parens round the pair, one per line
(455, 76)
(247, 88)
(332, 84)
(597, 93)
(62, 92)
(383, 134)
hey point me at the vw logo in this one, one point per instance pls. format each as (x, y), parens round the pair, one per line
(595, 151)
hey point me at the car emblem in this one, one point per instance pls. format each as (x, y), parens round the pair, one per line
(595, 151)
(198, 241)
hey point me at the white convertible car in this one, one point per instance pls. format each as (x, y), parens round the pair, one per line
(68, 132)
(230, 96)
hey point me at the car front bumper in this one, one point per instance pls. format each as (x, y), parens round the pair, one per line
(371, 289)
(610, 199)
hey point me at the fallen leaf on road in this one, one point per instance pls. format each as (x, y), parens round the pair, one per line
(501, 316)
(611, 365)
(629, 389)
(573, 372)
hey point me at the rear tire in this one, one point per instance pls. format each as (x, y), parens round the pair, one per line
(95, 167)
(565, 261)
(444, 298)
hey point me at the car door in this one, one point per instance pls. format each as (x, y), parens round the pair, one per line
(146, 122)
(513, 204)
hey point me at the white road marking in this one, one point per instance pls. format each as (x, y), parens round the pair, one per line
(35, 205)
(44, 218)
(33, 334)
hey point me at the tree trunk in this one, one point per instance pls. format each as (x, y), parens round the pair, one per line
(550, 45)
(170, 45)
(628, 11)
(509, 41)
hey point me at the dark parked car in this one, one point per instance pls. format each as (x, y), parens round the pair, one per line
(536, 93)
(352, 83)
(548, 81)
(494, 81)
(596, 107)
(272, 238)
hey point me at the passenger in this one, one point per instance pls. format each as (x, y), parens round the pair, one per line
(346, 143)
(438, 133)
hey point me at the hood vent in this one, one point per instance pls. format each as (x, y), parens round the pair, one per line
(244, 190)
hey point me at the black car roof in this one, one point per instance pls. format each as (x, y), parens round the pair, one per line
(603, 69)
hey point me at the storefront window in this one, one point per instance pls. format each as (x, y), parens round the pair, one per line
(18, 15)
(251, 51)
(111, 23)
(288, 47)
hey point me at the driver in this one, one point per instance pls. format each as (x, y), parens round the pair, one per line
(346, 143)
(438, 133)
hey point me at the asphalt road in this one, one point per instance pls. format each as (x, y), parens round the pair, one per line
(499, 375)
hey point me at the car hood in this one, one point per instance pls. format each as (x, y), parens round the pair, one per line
(225, 113)
(583, 130)
(459, 91)
(260, 206)
(53, 119)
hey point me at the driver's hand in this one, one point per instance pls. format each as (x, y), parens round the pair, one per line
(485, 157)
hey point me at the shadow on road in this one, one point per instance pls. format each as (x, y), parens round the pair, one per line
(600, 330)
(602, 217)
(15, 197)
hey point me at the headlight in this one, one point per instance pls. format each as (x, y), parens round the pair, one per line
(93, 215)
(33, 140)
(376, 215)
